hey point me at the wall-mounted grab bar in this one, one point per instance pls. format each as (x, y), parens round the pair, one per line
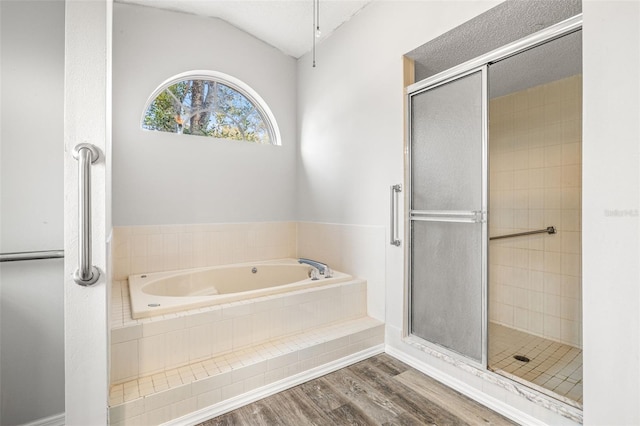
(547, 230)
(31, 255)
(395, 189)
(86, 274)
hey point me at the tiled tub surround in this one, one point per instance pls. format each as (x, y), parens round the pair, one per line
(166, 366)
(151, 345)
(147, 249)
(535, 176)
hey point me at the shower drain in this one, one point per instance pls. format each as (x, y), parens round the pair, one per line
(521, 358)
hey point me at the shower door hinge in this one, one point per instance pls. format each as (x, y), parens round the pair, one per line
(480, 216)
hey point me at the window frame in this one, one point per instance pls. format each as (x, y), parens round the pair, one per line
(234, 83)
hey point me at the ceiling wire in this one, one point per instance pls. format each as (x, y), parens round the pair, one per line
(316, 27)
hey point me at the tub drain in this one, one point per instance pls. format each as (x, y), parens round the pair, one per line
(521, 358)
(153, 305)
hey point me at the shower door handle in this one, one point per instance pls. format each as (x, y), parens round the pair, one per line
(395, 189)
(86, 274)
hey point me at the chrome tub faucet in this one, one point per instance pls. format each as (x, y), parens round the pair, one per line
(323, 268)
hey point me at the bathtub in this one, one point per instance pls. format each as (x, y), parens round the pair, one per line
(167, 292)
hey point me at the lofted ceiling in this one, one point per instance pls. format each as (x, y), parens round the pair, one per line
(284, 24)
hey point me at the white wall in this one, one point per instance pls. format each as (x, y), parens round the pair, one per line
(164, 178)
(611, 204)
(350, 124)
(350, 119)
(31, 209)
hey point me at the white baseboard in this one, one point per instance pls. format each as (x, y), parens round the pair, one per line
(473, 393)
(55, 420)
(273, 388)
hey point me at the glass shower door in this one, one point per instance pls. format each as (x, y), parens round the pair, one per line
(447, 241)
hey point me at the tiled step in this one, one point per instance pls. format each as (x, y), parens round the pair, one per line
(173, 393)
(141, 348)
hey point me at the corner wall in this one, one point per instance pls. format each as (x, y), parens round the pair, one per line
(167, 179)
(610, 209)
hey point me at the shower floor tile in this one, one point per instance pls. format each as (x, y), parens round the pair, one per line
(553, 368)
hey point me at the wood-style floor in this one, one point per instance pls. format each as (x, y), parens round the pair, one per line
(378, 391)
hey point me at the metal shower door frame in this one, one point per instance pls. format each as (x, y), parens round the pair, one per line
(449, 216)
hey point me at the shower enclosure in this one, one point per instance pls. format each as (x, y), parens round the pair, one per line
(493, 203)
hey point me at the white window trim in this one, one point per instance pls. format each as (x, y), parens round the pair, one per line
(234, 83)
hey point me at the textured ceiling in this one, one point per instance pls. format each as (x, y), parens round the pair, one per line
(284, 24)
(555, 60)
(501, 25)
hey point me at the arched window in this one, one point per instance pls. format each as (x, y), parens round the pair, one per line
(208, 103)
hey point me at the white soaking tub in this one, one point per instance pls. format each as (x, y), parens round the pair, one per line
(166, 292)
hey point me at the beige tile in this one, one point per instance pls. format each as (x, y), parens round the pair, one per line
(570, 309)
(552, 154)
(124, 360)
(536, 158)
(552, 327)
(155, 246)
(536, 260)
(571, 220)
(552, 305)
(151, 354)
(553, 283)
(200, 342)
(242, 331)
(571, 264)
(572, 130)
(571, 287)
(536, 198)
(177, 348)
(153, 328)
(553, 177)
(552, 198)
(572, 153)
(536, 301)
(171, 244)
(138, 265)
(553, 262)
(536, 220)
(138, 245)
(536, 281)
(123, 334)
(571, 198)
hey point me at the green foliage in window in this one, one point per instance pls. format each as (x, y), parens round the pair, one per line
(207, 108)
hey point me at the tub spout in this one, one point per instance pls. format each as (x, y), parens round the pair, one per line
(322, 267)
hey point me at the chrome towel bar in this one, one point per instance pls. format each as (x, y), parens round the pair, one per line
(31, 255)
(547, 230)
(86, 274)
(395, 189)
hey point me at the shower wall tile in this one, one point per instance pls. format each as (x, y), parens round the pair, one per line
(535, 154)
(146, 249)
